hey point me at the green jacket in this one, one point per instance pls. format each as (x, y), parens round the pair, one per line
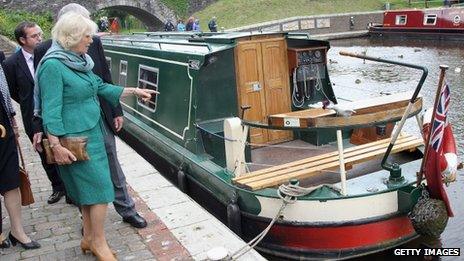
(69, 98)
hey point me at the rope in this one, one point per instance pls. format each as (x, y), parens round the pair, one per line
(250, 245)
(289, 195)
(295, 191)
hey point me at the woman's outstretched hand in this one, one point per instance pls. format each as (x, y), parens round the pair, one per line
(145, 94)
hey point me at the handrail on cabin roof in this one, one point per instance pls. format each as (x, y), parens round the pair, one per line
(132, 41)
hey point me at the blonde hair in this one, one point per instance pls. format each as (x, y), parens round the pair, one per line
(71, 28)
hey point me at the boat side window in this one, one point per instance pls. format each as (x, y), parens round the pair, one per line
(430, 19)
(108, 62)
(148, 79)
(401, 19)
(123, 73)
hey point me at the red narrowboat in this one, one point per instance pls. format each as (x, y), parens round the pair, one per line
(441, 22)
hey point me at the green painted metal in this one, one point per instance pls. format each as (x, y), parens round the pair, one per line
(196, 80)
(408, 197)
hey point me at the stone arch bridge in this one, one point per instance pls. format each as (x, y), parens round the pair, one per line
(152, 13)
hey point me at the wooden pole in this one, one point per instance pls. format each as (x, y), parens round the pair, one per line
(420, 174)
(341, 159)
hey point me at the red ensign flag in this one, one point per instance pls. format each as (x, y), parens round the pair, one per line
(442, 136)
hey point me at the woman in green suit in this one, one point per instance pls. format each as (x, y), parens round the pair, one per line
(70, 107)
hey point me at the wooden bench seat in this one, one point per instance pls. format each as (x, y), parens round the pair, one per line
(310, 166)
(386, 108)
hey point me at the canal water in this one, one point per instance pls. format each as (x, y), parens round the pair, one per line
(355, 78)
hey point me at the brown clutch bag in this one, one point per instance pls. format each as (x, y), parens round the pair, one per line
(76, 145)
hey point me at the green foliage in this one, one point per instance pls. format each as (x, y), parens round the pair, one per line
(10, 19)
(180, 7)
(236, 13)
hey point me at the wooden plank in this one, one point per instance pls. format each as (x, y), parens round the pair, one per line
(314, 170)
(308, 113)
(380, 148)
(383, 142)
(362, 119)
(376, 109)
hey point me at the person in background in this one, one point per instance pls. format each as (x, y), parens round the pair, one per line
(212, 25)
(196, 25)
(20, 72)
(9, 171)
(112, 122)
(168, 26)
(68, 93)
(189, 25)
(115, 26)
(180, 25)
(103, 24)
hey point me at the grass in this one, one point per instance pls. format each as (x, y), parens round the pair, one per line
(236, 13)
(180, 7)
(10, 19)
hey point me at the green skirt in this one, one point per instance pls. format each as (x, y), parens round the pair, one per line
(89, 182)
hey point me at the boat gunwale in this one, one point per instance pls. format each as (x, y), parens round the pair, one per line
(208, 165)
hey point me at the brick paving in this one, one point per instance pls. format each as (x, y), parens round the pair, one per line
(57, 227)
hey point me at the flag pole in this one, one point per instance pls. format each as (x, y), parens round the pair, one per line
(420, 174)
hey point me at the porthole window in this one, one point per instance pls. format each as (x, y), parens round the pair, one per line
(430, 19)
(148, 79)
(401, 20)
(123, 73)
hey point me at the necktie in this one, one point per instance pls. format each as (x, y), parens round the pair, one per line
(31, 68)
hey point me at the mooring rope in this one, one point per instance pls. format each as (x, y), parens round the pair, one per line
(289, 194)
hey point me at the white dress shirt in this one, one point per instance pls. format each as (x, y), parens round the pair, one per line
(30, 61)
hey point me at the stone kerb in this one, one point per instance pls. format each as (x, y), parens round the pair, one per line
(319, 24)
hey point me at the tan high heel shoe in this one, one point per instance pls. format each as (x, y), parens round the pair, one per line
(85, 247)
(101, 257)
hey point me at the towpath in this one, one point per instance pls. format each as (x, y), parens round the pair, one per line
(178, 228)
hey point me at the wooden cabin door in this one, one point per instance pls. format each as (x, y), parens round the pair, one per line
(276, 84)
(250, 87)
(262, 78)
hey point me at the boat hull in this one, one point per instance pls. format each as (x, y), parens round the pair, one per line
(338, 240)
(422, 33)
(293, 239)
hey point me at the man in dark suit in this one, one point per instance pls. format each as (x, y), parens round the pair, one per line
(113, 120)
(19, 72)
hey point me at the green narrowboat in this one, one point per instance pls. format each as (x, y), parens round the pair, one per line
(240, 115)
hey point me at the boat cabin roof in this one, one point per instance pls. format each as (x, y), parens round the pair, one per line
(194, 42)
